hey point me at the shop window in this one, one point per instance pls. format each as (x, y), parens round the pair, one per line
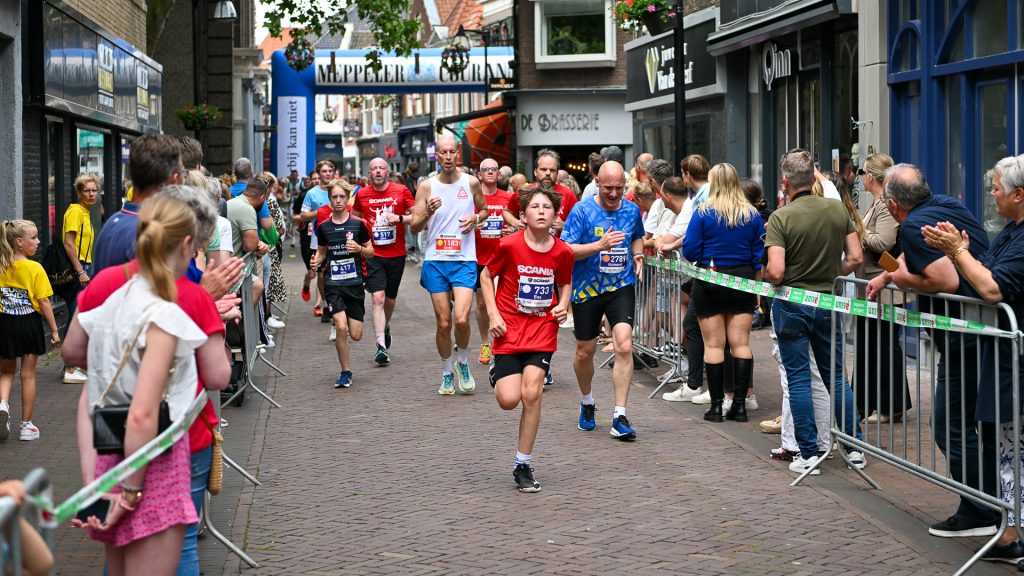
(844, 93)
(907, 54)
(574, 34)
(90, 152)
(993, 139)
(990, 28)
(954, 139)
(54, 178)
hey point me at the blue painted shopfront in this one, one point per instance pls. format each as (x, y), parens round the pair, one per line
(956, 73)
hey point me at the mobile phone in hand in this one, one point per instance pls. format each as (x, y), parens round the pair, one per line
(99, 509)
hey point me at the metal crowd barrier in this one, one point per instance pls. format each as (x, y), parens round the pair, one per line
(905, 387)
(658, 320)
(250, 349)
(37, 484)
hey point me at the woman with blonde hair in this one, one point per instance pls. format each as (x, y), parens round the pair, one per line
(77, 236)
(883, 393)
(142, 322)
(725, 234)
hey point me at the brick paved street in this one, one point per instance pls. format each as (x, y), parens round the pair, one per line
(388, 477)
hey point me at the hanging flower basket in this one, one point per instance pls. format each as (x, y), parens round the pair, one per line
(385, 100)
(299, 53)
(455, 59)
(657, 16)
(198, 117)
(355, 101)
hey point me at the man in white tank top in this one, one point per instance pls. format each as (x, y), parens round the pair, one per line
(449, 206)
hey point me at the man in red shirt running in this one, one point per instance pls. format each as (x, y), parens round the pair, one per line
(544, 175)
(534, 275)
(385, 206)
(488, 235)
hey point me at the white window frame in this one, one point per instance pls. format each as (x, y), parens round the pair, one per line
(606, 59)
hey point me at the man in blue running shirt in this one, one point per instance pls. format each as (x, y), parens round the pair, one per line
(606, 235)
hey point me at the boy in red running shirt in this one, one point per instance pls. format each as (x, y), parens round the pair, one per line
(488, 235)
(533, 270)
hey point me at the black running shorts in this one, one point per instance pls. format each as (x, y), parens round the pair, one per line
(347, 299)
(618, 305)
(503, 365)
(385, 274)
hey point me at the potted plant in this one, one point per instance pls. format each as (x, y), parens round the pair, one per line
(657, 16)
(198, 117)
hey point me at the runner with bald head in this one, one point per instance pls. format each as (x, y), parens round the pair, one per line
(449, 206)
(488, 235)
(607, 238)
(386, 208)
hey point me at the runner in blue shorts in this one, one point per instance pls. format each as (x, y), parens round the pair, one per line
(449, 206)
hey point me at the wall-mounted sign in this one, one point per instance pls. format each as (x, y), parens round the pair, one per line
(651, 62)
(353, 128)
(90, 72)
(291, 134)
(561, 121)
(421, 69)
(775, 63)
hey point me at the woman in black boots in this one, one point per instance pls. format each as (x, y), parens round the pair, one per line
(726, 234)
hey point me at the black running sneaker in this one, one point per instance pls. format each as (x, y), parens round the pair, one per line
(523, 475)
(387, 336)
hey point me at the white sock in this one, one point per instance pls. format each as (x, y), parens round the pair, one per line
(522, 458)
(619, 411)
(588, 399)
(380, 338)
(446, 365)
(463, 356)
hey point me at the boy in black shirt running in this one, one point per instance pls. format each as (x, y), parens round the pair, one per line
(344, 243)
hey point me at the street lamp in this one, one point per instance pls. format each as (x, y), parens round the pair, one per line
(679, 92)
(224, 11)
(461, 41)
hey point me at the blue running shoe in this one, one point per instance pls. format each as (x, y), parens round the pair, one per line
(344, 380)
(549, 379)
(466, 382)
(587, 421)
(621, 429)
(447, 385)
(381, 358)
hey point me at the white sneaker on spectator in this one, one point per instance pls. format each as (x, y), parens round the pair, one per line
(5, 421)
(857, 459)
(29, 431)
(752, 402)
(270, 341)
(274, 323)
(683, 394)
(800, 465)
(76, 376)
(704, 398)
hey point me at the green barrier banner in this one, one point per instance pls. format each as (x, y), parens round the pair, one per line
(54, 516)
(851, 306)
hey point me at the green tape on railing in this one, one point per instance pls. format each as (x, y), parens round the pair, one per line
(141, 457)
(851, 306)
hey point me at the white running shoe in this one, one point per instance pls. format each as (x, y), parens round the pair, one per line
(29, 431)
(683, 394)
(275, 323)
(704, 398)
(334, 334)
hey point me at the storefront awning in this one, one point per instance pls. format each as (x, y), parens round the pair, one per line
(485, 133)
(787, 17)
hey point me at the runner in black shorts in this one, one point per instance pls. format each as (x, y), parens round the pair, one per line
(607, 237)
(304, 238)
(343, 244)
(533, 272)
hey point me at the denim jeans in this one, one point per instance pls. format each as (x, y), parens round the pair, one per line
(952, 397)
(188, 564)
(802, 331)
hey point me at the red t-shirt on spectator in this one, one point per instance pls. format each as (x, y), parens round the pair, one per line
(194, 301)
(568, 201)
(388, 239)
(488, 238)
(527, 290)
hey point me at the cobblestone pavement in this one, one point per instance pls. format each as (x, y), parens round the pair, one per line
(388, 477)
